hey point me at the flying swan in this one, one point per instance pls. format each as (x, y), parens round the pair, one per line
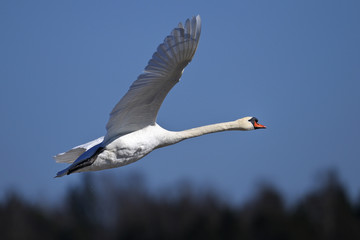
(132, 131)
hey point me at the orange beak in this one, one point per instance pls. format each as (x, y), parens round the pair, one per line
(257, 125)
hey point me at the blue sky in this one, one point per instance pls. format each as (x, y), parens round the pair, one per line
(295, 65)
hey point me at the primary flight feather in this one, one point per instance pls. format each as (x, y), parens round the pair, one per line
(132, 131)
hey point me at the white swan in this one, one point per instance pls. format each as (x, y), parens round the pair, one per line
(132, 131)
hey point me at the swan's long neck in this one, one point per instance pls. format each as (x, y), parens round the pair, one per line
(175, 137)
(199, 131)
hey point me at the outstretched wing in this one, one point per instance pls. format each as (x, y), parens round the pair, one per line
(140, 105)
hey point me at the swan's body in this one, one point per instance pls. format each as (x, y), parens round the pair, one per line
(132, 131)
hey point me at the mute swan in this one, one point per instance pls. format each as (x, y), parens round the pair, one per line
(132, 131)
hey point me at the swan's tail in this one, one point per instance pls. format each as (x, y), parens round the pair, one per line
(84, 160)
(78, 156)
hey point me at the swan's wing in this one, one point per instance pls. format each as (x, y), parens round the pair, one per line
(71, 155)
(140, 105)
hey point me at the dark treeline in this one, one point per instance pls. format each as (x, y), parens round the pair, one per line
(124, 209)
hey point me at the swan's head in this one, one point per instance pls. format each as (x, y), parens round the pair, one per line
(249, 123)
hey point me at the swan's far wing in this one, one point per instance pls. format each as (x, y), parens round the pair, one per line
(71, 155)
(140, 105)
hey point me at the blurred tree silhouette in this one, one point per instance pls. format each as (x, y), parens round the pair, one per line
(104, 210)
(327, 212)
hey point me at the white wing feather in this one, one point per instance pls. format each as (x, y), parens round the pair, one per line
(71, 155)
(140, 105)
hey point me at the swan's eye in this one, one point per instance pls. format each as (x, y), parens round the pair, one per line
(253, 120)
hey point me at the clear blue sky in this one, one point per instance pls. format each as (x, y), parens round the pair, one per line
(295, 65)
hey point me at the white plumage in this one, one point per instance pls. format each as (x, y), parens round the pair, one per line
(132, 131)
